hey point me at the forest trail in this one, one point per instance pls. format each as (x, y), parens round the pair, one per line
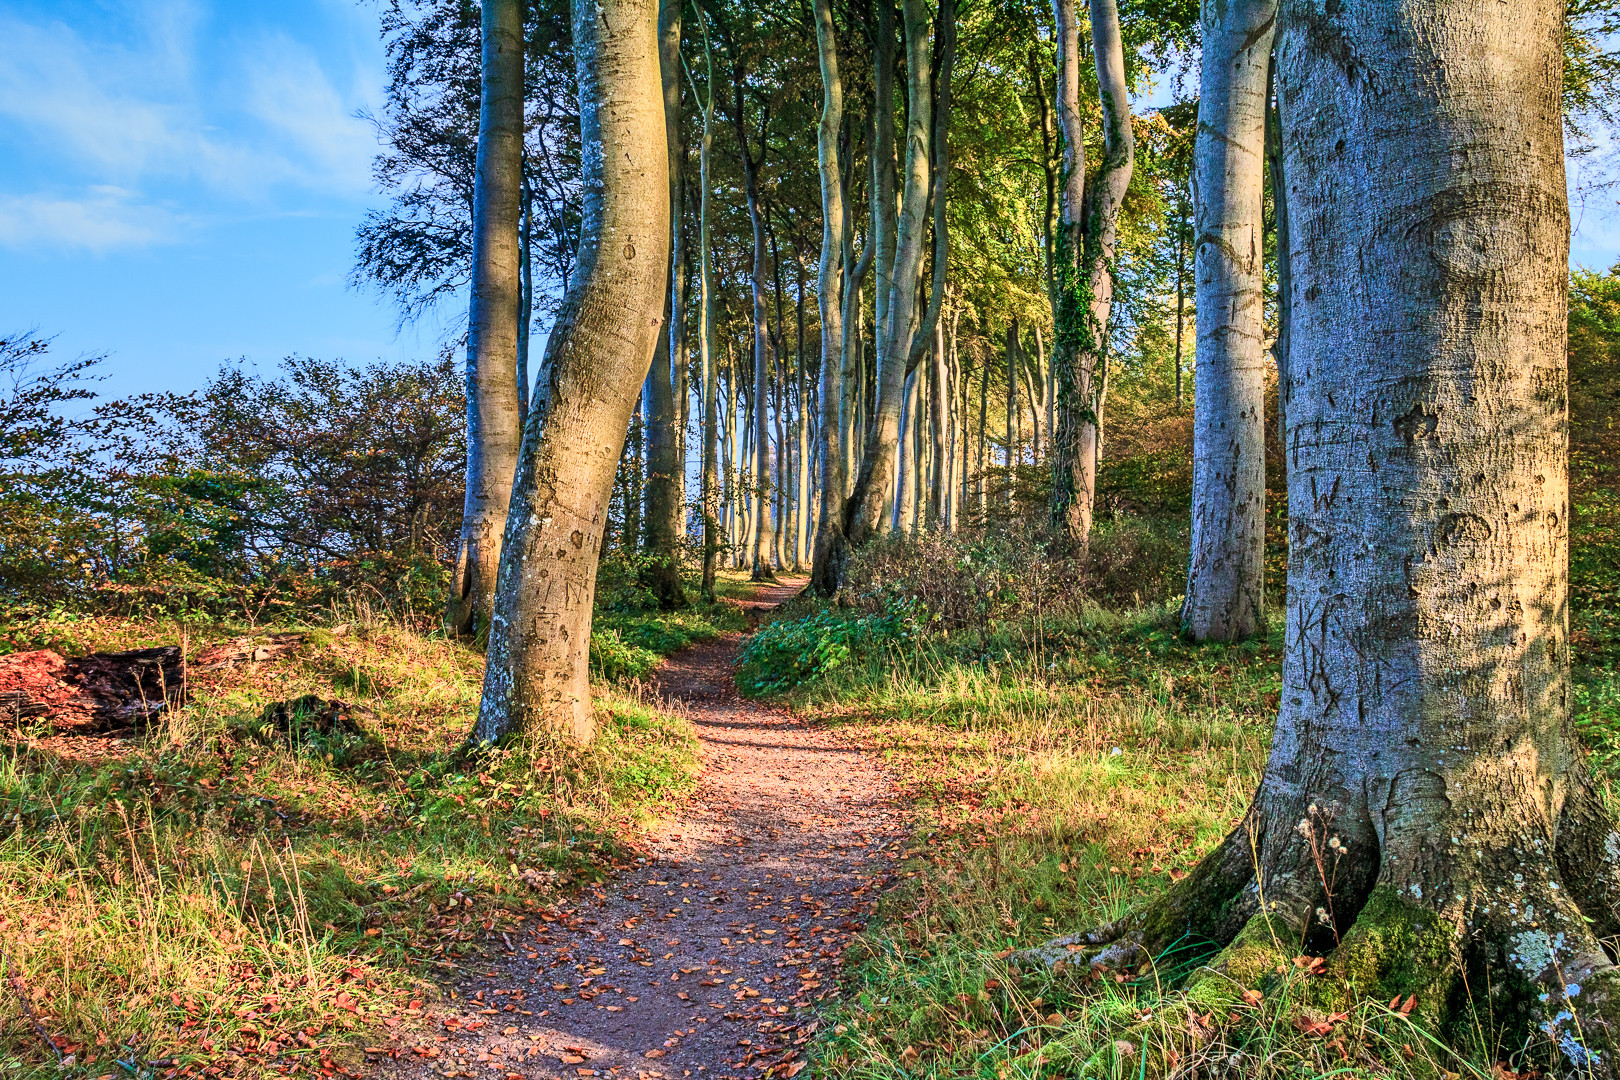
(708, 959)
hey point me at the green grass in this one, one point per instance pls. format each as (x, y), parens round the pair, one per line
(1062, 771)
(226, 894)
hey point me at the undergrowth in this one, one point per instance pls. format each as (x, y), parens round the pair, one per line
(253, 892)
(1064, 763)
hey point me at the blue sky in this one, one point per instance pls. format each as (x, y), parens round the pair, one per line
(180, 181)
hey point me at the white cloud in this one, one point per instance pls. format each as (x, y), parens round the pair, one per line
(104, 219)
(239, 115)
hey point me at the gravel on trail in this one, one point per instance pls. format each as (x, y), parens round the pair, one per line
(708, 958)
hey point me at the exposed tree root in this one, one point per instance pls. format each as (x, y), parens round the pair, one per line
(1476, 933)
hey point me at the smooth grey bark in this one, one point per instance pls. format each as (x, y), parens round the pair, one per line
(1085, 265)
(831, 545)
(801, 506)
(1424, 720)
(939, 431)
(598, 353)
(525, 295)
(945, 50)
(663, 513)
(1013, 452)
(1226, 565)
(493, 430)
(868, 505)
(709, 490)
(760, 542)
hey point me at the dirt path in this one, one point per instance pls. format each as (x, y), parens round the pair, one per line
(709, 959)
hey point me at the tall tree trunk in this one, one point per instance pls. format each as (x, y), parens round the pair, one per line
(867, 505)
(831, 545)
(801, 511)
(1012, 413)
(525, 298)
(939, 429)
(663, 517)
(709, 494)
(984, 416)
(1424, 724)
(1226, 568)
(599, 350)
(945, 51)
(764, 360)
(1285, 275)
(1087, 238)
(493, 430)
(906, 460)
(1181, 300)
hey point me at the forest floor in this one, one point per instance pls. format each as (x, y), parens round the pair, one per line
(708, 954)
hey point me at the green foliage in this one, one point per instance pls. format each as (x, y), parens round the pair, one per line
(784, 655)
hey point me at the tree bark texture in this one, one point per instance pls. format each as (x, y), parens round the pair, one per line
(493, 430)
(598, 353)
(868, 505)
(831, 545)
(1226, 567)
(663, 517)
(1086, 244)
(1423, 749)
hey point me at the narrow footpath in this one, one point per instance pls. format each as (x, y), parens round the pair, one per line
(709, 959)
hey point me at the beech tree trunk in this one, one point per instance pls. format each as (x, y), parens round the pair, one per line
(493, 426)
(831, 545)
(1423, 748)
(713, 537)
(1086, 243)
(867, 505)
(663, 516)
(598, 353)
(1226, 567)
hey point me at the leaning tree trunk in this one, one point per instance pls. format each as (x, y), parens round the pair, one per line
(493, 427)
(1423, 748)
(867, 505)
(598, 353)
(664, 510)
(1226, 567)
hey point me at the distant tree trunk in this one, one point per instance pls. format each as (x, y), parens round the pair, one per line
(599, 350)
(1226, 568)
(1090, 225)
(1285, 274)
(939, 428)
(1423, 749)
(493, 430)
(801, 507)
(922, 341)
(663, 516)
(984, 416)
(764, 360)
(1181, 301)
(525, 300)
(713, 538)
(1012, 412)
(831, 545)
(866, 509)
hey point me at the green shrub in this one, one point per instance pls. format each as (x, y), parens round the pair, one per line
(787, 654)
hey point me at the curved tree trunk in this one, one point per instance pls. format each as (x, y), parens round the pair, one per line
(831, 545)
(1226, 568)
(1423, 760)
(493, 429)
(599, 351)
(867, 506)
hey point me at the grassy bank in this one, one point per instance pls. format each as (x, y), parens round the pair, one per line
(244, 893)
(1063, 768)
